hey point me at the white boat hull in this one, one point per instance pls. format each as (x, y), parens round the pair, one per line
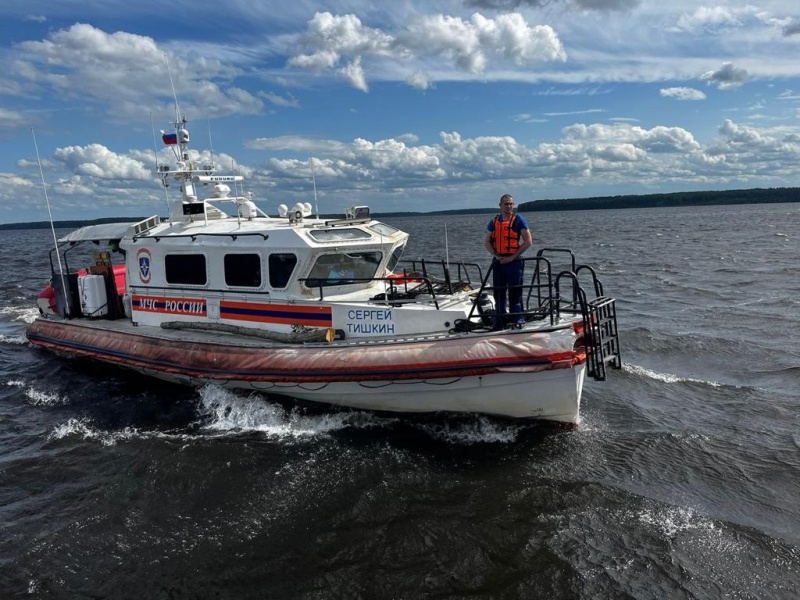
(547, 395)
(520, 374)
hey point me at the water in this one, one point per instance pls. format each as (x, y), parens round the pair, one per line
(681, 482)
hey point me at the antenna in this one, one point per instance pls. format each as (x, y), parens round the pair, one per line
(174, 93)
(447, 259)
(314, 181)
(155, 155)
(238, 188)
(52, 226)
(210, 145)
(446, 246)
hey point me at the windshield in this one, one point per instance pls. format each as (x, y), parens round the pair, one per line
(341, 269)
(338, 235)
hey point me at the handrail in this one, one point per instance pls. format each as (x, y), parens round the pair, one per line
(420, 274)
(545, 301)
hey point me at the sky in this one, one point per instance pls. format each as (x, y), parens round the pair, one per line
(407, 105)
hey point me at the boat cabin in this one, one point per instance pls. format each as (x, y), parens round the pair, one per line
(278, 273)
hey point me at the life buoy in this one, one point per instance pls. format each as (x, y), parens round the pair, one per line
(405, 278)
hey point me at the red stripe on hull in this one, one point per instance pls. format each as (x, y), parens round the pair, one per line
(281, 314)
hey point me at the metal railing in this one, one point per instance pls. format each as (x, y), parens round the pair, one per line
(550, 297)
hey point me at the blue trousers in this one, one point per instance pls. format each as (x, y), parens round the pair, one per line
(507, 281)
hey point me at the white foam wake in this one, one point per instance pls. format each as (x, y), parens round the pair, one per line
(480, 431)
(229, 412)
(671, 521)
(38, 397)
(18, 340)
(43, 398)
(665, 377)
(83, 428)
(27, 314)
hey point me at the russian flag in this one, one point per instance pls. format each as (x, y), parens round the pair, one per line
(169, 138)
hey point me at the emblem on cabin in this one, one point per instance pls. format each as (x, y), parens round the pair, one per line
(143, 258)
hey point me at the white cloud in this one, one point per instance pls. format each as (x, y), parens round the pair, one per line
(419, 80)
(97, 161)
(656, 140)
(354, 74)
(527, 118)
(125, 73)
(588, 111)
(408, 138)
(296, 144)
(12, 119)
(726, 77)
(592, 152)
(470, 45)
(317, 62)
(12, 180)
(682, 93)
(619, 153)
(662, 139)
(715, 16)
(282, 101)
(740, 134)
(331, 36)
(587, 154)
(73, 186)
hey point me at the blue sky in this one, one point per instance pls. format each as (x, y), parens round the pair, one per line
(408, 105)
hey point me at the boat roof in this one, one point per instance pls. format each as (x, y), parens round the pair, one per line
(314, 232)
(99, 233)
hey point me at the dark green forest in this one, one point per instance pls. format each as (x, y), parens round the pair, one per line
(753, 196)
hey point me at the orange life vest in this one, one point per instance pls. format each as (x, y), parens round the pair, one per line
(504, 239)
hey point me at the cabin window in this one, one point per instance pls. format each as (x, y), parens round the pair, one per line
(341, 269)
(186, 269)
(281, 267)
(339, 234)
(394, 258)
(243, 270)
(384, 229)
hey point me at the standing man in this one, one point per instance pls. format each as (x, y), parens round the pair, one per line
(507, 237)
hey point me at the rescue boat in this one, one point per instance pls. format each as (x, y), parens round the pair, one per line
(319, 309)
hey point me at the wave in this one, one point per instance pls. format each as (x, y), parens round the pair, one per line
(480, 430)
(791, 369)
(25, 314)
(694, 342)
(230, 413)
(223, 413)
(37, 397)
(665, 377)
(672, 378)
(669, 521)
(83, 428)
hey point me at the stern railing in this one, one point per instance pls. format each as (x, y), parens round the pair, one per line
(551, 297)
